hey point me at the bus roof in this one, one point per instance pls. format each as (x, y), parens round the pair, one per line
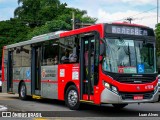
(54, 35)
(36, 39)
(58, 34)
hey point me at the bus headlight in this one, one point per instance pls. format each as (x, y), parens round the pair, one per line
(114, 89)
(110, 87)
(107, 85)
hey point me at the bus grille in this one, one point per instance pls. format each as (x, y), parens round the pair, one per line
(130, 96)
(136, 80)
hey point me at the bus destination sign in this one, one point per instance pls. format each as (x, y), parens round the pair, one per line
(129, 30)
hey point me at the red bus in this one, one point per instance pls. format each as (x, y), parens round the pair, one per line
(100, 64)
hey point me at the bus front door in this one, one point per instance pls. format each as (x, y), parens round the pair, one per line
(87, 68)
(10, 72)
(36, 71)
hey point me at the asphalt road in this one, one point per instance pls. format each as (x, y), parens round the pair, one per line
(58, 110)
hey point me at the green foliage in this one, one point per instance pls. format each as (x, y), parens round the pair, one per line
(36, 12)
(62, 19)
(157, 32)
(12, 31)
(50, 26)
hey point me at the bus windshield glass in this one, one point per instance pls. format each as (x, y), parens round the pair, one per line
(129, 56)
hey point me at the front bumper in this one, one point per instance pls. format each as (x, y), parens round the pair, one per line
(108, 96)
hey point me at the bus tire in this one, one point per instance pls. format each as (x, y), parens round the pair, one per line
(23, 91)
(119, 106)
(72, 98)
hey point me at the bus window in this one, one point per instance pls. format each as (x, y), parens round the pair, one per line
(26, 55)
(69, 50)
(50, 54)
(17, 57)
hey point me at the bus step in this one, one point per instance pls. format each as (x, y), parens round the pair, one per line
(86, 101)
(36, 97)
(10, 92)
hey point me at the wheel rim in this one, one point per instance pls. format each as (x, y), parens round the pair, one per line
(23, 91)
(72, 97)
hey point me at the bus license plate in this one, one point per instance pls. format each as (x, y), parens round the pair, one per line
(138, 97)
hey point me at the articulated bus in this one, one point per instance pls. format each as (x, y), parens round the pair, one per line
(100, 64)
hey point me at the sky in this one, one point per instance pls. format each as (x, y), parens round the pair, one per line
(143, 12)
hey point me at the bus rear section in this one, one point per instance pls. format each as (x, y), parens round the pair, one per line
(100, 64)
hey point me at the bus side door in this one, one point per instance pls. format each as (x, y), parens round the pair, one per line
(88, 66)
(36, 70)
(10, 71)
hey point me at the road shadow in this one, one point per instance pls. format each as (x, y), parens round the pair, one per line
(89, 110)
(86, 110)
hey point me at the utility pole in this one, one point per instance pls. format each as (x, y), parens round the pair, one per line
(73, 21)
(157, 10)
(76, 23)
(129, 19)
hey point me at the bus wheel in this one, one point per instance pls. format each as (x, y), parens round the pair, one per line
(119, 106)
(23, 91)
(72, 98)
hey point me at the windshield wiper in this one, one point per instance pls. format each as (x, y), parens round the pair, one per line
(129, 55)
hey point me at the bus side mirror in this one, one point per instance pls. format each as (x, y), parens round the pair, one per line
(102, 49)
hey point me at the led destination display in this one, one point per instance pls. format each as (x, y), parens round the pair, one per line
(128, 30)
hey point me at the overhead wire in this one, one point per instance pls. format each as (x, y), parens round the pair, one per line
(135, 14)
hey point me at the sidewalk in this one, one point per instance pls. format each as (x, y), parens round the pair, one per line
(6, 96)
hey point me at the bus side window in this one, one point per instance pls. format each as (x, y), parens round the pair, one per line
(65, 57)
(69, 50)
(50, 54)
(55, 60)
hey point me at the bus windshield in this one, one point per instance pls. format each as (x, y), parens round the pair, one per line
(129, 56)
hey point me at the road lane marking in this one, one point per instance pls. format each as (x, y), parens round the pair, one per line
(46, 119)
(3, 108)
(40, 119)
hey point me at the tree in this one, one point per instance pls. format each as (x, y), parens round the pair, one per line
(37, 12)
(62, 22)
(157, 32)
(50, 26)
(12, 31)
(28, 12)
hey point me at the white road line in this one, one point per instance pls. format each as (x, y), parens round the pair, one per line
(3, 108)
